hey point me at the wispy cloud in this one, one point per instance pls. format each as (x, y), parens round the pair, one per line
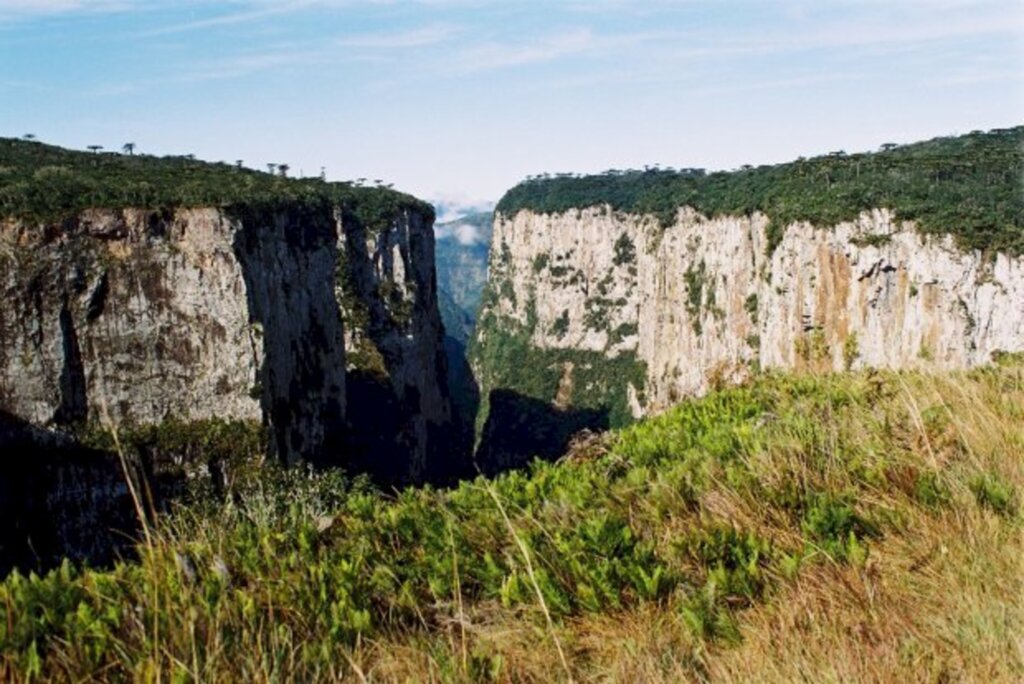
(251, 63)
(495, 55)
(418, 37)
(253, 12)
(570, 42)
(24, 10)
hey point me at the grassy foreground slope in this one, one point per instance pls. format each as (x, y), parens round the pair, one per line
(838, 528)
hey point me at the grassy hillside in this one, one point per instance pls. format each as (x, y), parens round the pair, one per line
(837, 528)
(46, 183)
(971, 186)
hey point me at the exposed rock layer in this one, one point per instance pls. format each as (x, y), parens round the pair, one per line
(702, 302)
(197, 313)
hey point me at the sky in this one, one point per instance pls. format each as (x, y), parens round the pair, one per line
(458, 100)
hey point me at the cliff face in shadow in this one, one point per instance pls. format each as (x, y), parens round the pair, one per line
(59, 499)
(521, 428)
(254, 314)
(400, 411)
(302, 319)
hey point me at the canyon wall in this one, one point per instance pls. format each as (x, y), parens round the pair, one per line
(264, 315)
(618, 315)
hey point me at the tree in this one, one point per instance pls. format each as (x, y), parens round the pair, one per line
(282, 170)
(129, 148)
(29, 136)
(323, 173)
(270, 167)
(94, 148)
(238, 163)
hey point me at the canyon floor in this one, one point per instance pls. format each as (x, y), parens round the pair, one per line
(836, 527)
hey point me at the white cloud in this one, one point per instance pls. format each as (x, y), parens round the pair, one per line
(452, 206)
(464, 233)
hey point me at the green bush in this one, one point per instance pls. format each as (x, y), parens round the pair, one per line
(992, 491)
(40, 182)
(967, 186)
(625, 250)
(699, 512)
(833, 527)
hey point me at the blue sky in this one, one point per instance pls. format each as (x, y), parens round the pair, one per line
(462, 98)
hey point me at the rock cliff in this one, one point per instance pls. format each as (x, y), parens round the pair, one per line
(619, 315)
(599, 313)
(193, 313)
(210, 311)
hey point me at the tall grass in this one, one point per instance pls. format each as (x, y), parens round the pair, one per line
(837, 528)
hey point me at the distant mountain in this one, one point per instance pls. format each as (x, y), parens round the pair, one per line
(461, 255)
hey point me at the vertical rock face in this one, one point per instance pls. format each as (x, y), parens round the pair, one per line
(593, 301)
(62, 500)
(288, 261)
(399, 410)
(139, 314)
(194, 313)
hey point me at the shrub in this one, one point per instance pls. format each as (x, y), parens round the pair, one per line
(967, 186)
(992, 491)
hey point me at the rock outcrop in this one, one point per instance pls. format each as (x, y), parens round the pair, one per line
(592, 302)
(282, 315)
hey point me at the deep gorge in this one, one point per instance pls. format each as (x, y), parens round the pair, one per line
(308, 330)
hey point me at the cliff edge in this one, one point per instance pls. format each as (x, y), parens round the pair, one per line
(661, 285)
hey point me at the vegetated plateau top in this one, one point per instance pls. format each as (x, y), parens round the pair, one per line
(970, 186)
(40, 182)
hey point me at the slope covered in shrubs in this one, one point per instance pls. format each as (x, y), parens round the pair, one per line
(40, 182)
(968, 186)
(841, 527)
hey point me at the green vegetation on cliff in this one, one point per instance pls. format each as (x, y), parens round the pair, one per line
(531, 399)
(969, 186)
(40, 182)
(857, 527)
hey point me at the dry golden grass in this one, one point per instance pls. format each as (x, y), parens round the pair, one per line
(933, 594)
(943, 606)
(941, 602)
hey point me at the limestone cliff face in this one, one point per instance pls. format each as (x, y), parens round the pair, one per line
(669, 312)
(197, 313)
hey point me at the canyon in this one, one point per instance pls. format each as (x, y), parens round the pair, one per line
(304, 320)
